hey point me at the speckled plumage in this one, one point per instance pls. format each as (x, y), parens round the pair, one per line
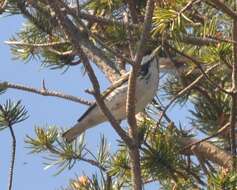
(147, 83)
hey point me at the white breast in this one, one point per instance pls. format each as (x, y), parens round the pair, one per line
(145, 91)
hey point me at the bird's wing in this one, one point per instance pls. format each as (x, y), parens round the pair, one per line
(106, 93)
(87, 112)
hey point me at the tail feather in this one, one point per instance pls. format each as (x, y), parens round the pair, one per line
(89, 120)
(74, 132)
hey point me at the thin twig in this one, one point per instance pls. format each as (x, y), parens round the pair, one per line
(3, 6)
(45, 92)
(183, 91)
(21, 43)
(13, 157)
(221, 130)
(208, 40)
(198, 64)
(96, 36)
(103, 20)
(220, 5)
(187, 6)
(56, 151)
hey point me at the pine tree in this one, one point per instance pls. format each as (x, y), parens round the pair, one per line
(197, 40)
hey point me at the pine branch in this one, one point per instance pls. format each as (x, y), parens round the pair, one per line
(13, 157)
(220, 131)
(198, 64)
(208, 151)
(234, 95)
(42, 45)
(3, 6)
(130, 103)
(132, 10)
(220, 5)
(183, 91)
(45, 92)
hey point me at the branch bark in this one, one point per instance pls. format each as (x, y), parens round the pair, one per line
(13, 156)
(234, 95)
(45, 92)
(220, 5)
(133, 11)
(131, 94)
(208, 151)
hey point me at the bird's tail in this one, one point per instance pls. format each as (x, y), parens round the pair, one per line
(75, 131)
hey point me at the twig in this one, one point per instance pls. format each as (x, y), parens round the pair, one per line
(220, 5)
(103, 20)
(13, 156)
(49, 44)
(54, 150)
(186, 89)
(200, 41)
(209, 137)
(99, 99)
(93, 163)
(94, 53)
(187, 6)
(198, 64)
(45, 92)
(96, 36)
(3, 6)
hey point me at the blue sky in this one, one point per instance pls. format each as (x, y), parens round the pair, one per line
(43, 111)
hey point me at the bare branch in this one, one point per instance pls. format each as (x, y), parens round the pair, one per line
(200, 41)
(220, 5)
(221, 130)
(130, 103)
(198, 64)
(51, 44)
(182, 92)
(13, 157)
(187, 6)
(3, 6)
(234, 95)
(133, 11)
(209, 152)
(103, 20)
(44, 92)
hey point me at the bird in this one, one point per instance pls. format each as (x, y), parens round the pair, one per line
(146, 86)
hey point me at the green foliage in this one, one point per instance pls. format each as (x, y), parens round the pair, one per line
(12, 8)
(103, 5)
(3, 88)
(36, 45)
(222, 181)
(61, 154)
(12, 113)
(103, 156)
(160, 157)
(120, 165)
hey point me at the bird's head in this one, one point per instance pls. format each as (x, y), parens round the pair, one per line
(149, 62)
